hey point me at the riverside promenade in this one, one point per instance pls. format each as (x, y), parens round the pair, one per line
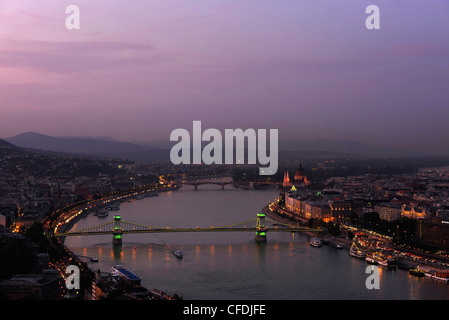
(285, 217)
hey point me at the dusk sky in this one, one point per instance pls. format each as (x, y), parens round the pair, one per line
(136, 70)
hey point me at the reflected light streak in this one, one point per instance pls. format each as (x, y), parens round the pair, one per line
(197, 250)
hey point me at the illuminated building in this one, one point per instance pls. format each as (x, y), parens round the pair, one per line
(414, 212)
(388, 211)
(341, 211)
(433, 232)
(286, 182)
(300, 178)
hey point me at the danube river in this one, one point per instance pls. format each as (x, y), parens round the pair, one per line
(231, 265)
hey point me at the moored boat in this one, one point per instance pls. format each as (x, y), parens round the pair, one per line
(120, 271)
(435, 273)
(416, 272)
(442, 276)
(387, 262)
(315, 242)
(370, 259)
(355, 252)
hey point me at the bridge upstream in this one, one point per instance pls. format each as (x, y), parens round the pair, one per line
(226, 181)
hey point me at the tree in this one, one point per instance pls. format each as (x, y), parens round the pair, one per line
(333, 229)
(351, 235)
(35, 232)
(282, 200)
(371, 221)
(315, 223)
(354, 218)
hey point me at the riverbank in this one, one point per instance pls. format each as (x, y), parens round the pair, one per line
(404, 256)
(105, 286)
(231, 265)
(340, 241)
(66, 220)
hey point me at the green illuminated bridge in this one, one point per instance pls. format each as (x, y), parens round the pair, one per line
(261, 225)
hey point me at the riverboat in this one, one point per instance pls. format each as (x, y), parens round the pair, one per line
(355, 252)
(102, 213)
(120, 271)
(416, 272)
(315, 242)
(370, 259)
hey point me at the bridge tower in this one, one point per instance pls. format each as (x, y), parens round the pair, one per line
(117, 231)
(261, 230)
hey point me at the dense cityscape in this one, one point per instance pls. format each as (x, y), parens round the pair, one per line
(224, 158)
(403, 215)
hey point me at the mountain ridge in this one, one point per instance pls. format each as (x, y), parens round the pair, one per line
(36, 140)
(160, 148)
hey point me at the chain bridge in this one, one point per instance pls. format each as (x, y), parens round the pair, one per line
(117, 227)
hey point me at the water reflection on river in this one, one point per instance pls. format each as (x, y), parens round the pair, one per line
(231, 265)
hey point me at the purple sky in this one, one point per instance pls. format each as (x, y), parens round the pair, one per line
(136, 70)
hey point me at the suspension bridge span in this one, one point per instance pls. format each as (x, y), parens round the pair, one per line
(117, 227)
(224, 181)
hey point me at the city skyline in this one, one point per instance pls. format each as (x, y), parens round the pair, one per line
(137, 71)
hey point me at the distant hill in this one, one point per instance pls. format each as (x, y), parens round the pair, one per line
(71, 144)
(6, 144)
(95, 138)
(321, 148)
(84, 145)
(344, 147)
(160, 150)
(7, 148)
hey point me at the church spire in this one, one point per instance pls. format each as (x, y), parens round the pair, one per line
(286, 182)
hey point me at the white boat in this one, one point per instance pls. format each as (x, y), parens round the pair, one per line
(441, 276)
(178, 254)
(390, 263)
(428, 272)
(315, 242)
